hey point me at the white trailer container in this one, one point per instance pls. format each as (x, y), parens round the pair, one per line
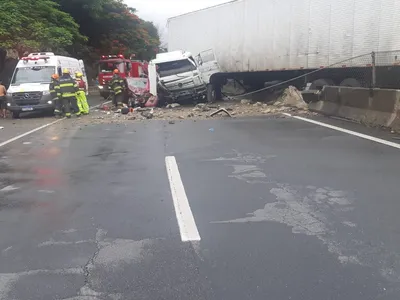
(261, 35)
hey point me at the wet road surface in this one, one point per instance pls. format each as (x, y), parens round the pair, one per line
(283, 209)
(29, 121)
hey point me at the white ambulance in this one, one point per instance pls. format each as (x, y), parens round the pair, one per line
(29, 86)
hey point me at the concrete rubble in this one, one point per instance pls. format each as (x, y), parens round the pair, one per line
(290, 101)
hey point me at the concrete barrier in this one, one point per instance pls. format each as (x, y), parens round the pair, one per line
(370, 106)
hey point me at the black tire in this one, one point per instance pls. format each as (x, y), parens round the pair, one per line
(15, 114)
(320, 83)
(211, 94)
(218, 92)
(351, 82)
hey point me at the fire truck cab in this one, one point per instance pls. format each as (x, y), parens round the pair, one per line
(128, 68)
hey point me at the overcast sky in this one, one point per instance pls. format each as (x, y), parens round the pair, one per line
(159, 11)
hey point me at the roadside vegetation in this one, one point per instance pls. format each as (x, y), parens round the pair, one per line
(80, 28)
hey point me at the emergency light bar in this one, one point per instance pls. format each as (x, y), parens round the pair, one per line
(35, 58)
(112, 56)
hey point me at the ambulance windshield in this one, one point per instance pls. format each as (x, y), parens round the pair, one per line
(35, 74)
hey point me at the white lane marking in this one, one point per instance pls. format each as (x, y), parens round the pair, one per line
(9, 188)
(363, 136)
(29, 132)
(38, 128)
(186, 222)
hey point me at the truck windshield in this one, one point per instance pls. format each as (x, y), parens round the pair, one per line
(175, 67)
(109, 66)
(36, 74)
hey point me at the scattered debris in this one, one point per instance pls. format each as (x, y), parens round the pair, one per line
(292, 97)
(124, 110)
(220, 111)
(202, 107)
(147, 114)
(1, 127)
(211, 129)
(173, 105)
(289, 100)
(143, 109)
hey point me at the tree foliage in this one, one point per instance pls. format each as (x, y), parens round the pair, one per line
(83, 28)
(27, 25)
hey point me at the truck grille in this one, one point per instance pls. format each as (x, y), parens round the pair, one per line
(29, 98)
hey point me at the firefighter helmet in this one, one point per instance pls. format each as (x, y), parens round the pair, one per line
(65, 71)
(78, 74)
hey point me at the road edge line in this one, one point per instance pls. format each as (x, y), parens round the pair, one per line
(350, 132)
(39, 128)
(29, 132)
(184, 215)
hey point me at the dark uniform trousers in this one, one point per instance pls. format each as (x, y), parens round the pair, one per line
(66, 91)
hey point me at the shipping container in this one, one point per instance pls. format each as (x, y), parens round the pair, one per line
(259, 35)
(250, 36)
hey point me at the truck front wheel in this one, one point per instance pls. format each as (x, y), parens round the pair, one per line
(214, 93)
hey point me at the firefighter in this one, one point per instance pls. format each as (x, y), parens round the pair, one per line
(81, 94)
(117, 85)
(53, 84)
(66, 93)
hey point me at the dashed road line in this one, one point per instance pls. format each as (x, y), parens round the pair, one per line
(186, 222)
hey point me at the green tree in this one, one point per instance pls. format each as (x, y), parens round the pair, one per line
(32, 25)
(111, 27)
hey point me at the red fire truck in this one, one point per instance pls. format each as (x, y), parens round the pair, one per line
(128, 68)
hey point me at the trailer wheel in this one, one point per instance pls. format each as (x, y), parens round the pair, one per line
(351, 82)
(320, 83)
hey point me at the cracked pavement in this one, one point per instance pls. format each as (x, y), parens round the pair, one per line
(285, 210)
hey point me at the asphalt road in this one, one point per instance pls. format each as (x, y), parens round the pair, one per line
(32, 120)
(268, 208)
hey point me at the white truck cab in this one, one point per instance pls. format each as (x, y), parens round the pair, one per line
(29, 86)
(178, 73)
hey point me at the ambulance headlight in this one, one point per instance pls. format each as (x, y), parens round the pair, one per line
(46, 93)
(101, 87)
(49, 102)
(9, 94)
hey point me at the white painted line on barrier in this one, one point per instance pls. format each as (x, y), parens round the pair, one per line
(39, 128)
(186, 222)
(357, 134)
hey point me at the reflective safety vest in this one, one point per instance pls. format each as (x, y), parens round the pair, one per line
(52, 87)
(81, 84)
(66, 87)
(117, 84)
